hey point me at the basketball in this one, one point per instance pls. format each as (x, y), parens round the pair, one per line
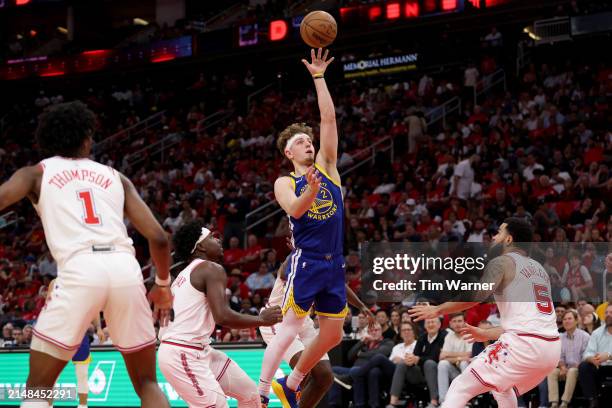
(318, 29)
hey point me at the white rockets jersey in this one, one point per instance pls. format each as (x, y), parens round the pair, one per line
(525, 305)
(81, 205)
(193, 321)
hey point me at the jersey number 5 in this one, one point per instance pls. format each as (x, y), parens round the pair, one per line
(542, 298)
(90, 217)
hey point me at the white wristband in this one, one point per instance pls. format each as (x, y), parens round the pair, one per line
(162, 282)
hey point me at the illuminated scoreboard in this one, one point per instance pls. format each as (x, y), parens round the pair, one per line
(360, 16)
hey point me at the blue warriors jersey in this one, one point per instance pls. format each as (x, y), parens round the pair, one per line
(321, 228)
(315, 274)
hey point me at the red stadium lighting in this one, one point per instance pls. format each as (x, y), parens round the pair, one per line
(52, 73)
(449, 5)
(95, 53)
(21, 2)
(429, 6)
(374, 13)
(393, 11)
(163, 58)
(411, 9)
(278, 30)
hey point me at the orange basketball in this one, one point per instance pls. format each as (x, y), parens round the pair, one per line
(318, 29)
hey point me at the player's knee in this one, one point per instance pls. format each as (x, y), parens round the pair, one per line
(334, 337)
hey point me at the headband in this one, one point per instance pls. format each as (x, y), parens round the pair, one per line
(293, 138)
(205, 233)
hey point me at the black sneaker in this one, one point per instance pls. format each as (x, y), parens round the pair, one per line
(344, 380)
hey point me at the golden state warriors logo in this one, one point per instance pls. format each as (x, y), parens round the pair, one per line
(323, 206)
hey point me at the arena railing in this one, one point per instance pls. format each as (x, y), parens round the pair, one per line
(489, 82)
(225, 17)
(8, 218)
(440, 113)
(367, 155)
(172, 139)
(552, 30)
(256, 93)
(127, 135)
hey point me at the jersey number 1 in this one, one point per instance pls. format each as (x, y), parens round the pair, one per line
(90, 218)
(542, 298)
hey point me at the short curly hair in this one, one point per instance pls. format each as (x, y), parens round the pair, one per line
(64, 127)
(289, 131)
(184, 240)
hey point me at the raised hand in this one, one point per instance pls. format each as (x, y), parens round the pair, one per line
(319, 61)
(423, 312)
(473, 334)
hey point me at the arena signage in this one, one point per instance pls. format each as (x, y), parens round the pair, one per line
(109, 382)
(380, 66)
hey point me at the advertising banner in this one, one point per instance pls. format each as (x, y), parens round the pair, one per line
(109, 382)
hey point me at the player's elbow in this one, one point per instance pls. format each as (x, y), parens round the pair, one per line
(159, 239)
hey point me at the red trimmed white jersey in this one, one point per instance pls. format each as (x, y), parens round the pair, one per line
(193, 320)
(525, 305)
(81, 205)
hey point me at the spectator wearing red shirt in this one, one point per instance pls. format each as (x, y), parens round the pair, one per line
(252, 255)
(232, 256)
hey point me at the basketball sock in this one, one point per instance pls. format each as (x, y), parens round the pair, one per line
(295, 379)
(286, 332)
(263, 387)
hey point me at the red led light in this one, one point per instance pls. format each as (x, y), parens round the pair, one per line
(95, 53)
(429, 6)
(475, 3)
(278, 30)
(21, 2)
(52, 73)
(163, 58)
(393, 11)
(411, 9)
(374, 13)
(449, 5)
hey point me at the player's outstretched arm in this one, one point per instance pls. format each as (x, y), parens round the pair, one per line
(473, 334)
(328, 152)
(285, 194)
(211, 280)
(144, 221)
(20, 185)
(141, 216)
(422, 312)
(353, 300)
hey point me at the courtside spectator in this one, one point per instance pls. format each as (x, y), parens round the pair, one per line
(422, 366)
(574, 342)
(455, 355)
(597, 355)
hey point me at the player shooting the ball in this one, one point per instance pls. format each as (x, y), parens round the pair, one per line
(312, 198)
